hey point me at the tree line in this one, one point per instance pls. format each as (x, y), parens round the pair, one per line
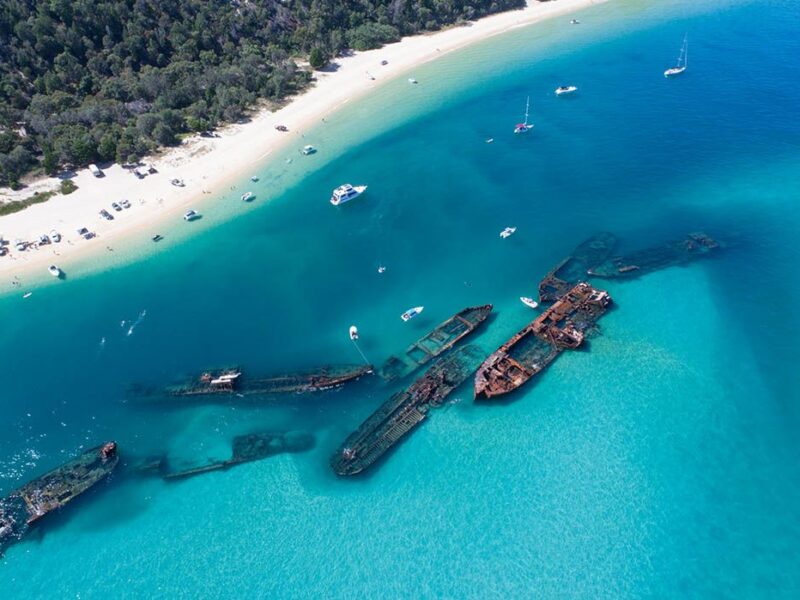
(86, 81)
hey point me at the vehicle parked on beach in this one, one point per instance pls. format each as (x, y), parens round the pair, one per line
(95, 170)
(106, 215)
(116, 206)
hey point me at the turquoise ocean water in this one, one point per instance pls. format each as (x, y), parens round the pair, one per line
(660, 462)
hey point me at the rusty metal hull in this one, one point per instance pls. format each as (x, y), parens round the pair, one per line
(562, 326)
(53, 490)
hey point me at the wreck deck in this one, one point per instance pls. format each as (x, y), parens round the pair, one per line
(562, 326)
(403, 411)
(442, 338)
(575, 267)
(693, 246)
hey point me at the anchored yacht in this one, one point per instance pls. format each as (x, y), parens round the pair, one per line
(345, 193)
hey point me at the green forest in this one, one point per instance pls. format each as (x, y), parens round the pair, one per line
(85, 81)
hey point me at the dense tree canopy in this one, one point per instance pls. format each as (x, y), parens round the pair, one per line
(102, 80)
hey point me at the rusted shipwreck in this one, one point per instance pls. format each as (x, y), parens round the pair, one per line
(442, 338)
(404, 411)
(27, 505)
(245, 448)
(693, 246)
(562, 326)
(575, 267)
(233, 381)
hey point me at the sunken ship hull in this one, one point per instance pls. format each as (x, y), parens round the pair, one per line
(571, 270)
(232, 381)
(693, 246)
(562, 326)
(442, 338)
(27, 505)
(404, 411)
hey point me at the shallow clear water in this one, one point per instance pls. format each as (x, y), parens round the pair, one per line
(662, 461)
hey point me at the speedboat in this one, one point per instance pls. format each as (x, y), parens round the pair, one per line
(27, 294)
(157, 237)
(574, 22)
(565, 89)
(507, 232)
(411, 313)
(489, 140)
(345, 193)
(54, 271)
(381, 269)
(412, 80)
(247, 196)
(309, 150)
(353, 332)
(191, 215)
(254, 178)
(528, 301)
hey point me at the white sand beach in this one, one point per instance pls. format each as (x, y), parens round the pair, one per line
(208, 165)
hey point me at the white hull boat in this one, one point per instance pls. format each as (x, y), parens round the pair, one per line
(565, 90)
(524, 127)
(411, 313)
(353, 332)
(54, 271)
(507, 232)
(683, 60)
(530, 302)
(345, 193)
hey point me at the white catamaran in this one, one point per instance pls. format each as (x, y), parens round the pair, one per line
(683, 60)
(524, 126)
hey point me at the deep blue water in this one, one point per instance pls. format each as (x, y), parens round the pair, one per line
(662, 461)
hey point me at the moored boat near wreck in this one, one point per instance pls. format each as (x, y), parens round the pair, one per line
(404, 411)
(233, 381)
(574, 268)
(562, 326)
(27, 505)
(442, 338)
(694, 245)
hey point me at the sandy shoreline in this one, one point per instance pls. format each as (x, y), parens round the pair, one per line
(208, 165)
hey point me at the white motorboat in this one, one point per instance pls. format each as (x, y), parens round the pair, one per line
(254, 178)
(489, 140)
(191, 215)
(411, 313)
(528, 301)
(27, 294)
(683, 60)
(308, 150)
(55, 271)
(345, 193)
(381, 269)
(507, 232)
(524, 127)
(412, 80)
(574, 22)
(247, 196)
(353, 332)
(565, 89)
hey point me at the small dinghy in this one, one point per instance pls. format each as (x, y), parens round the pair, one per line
(528, 301)
(411, 313)
(247, 196)
(27, 294)
(507, 232)
(353, 332)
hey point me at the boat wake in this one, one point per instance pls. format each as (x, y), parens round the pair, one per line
(136, 323)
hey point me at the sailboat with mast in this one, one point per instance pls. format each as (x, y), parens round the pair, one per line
(683, 60)
(524, 127)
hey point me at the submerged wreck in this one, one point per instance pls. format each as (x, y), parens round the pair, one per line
(562, 326)
(404, 411)
(245, 448)
(442, 338)
(575, 267)
(233, 381)
(695, 245)
(27, 505)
